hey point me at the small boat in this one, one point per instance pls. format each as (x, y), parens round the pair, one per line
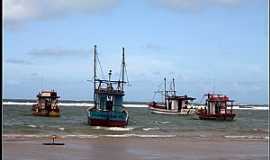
(173, 104)
(218, 107)
(108, 110)
(47, 104)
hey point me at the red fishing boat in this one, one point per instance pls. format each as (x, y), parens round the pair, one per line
(218, 107)
(173, 104)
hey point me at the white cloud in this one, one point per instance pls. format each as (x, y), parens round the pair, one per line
(58, 52)
(19, 11)
(17, 61)
(194, 4)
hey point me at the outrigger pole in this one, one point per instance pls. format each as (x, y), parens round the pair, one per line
(95, 74)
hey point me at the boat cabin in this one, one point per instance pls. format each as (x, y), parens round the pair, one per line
(109, 95)
(218, 104)
(178, 103)
(47, 104)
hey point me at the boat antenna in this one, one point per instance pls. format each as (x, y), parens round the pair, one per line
(110, 74)
(95, 74)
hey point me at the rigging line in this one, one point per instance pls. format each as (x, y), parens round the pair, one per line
(91, 80)
(171, 88)
(120, 72)
(102, 73)
(126, 73)
(202, 99)
(154, 96)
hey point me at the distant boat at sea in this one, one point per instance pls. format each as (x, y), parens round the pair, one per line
(108, 109)
(173, 104)
(47, 104)
(217, 107)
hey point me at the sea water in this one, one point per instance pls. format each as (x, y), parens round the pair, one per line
(18, 121)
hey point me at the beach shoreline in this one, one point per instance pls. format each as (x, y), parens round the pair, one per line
(135, 148)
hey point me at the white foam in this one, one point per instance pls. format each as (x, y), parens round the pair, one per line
(81, 136)
(33, 126)
(19, 103)
(113, 128)
(118, 135)
(165, 122)
(88, 136)
(24, 136)
(148, 129)
(118, 129)
(61, 129)
(130, 105)
(246, 137)
(139, 135)
(155, 136)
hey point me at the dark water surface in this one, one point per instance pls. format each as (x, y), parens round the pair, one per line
(73, 121)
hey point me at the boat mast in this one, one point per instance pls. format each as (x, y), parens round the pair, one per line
(123, 67)
(174, 92)
(165, 95)
(95, 74)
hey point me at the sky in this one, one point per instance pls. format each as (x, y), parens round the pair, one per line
(218, 46)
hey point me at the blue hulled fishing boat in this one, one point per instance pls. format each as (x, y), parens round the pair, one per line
(108, 107)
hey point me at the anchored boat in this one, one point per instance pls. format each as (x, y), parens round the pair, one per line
(173, 104)
(108, 107)
(218, 107)
(47, 104)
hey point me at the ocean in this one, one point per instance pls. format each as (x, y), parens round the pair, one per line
(19, 122)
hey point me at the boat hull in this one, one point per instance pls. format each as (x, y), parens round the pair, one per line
(45, 114)
(171, 112)
(107, 123)
(108, 119)
(54, 114)
(221, 117)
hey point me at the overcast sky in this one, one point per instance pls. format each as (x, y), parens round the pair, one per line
(210, 45)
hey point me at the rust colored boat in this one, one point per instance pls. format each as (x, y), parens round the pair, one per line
(47, 104)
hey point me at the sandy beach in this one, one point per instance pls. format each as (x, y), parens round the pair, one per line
(135, 149)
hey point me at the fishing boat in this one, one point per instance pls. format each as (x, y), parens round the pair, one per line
(173, 104)
(217, 107)
(108, 109)
(47, 104)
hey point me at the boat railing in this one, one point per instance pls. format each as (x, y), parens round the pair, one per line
(106, 91)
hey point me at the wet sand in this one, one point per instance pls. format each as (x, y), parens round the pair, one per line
(135, 149)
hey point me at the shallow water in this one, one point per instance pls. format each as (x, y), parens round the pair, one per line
(17, 120)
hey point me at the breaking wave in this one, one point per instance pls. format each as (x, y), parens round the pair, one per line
(113, 128)
(151, 129)
(249, 137)
(89, 136)
(32, 126)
